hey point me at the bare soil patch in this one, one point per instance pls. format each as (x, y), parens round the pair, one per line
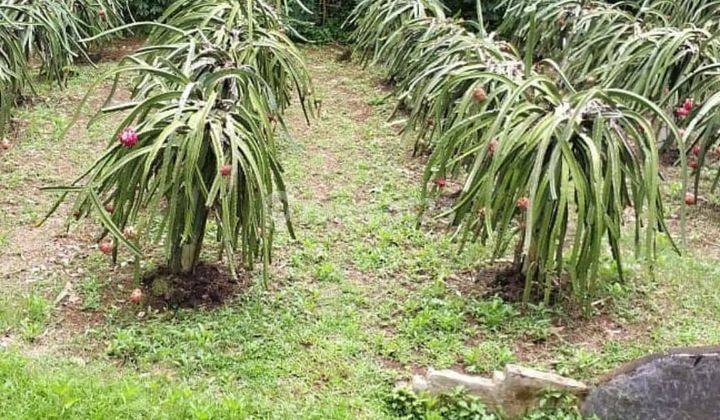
(500, 279)
(118, 49)
(208, 287)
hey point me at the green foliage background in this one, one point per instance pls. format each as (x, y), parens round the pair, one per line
(148, 9)
(324, 23)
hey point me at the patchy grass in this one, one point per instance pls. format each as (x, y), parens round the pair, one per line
(41, 261)
(68, 389)
(361, 300)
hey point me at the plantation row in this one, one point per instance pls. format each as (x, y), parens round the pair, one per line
(667, 52)
(555, 139)
(554, 128)
(53, 32)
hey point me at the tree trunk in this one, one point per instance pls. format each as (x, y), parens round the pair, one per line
(185, 256)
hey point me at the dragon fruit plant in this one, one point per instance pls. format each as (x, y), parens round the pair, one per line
(197, 142)
(658, 49)
(545, 166)
(376, 22)
(55, 32)
(250, 34)
(560, 163)
(98, 16)
(48, 31)
(701, 138)
(173, 166)
(433, 62)
(13, 73)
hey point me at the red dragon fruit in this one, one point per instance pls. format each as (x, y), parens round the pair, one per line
(136, 296)
(107, 247)
(682, 112)
(690, 199)
(226, 170)
(493, 146)
(523, 203)
(128, 138)
(689, 104)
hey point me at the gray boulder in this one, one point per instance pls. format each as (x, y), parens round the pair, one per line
(677, 385)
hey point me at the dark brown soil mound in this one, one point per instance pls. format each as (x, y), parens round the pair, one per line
(509, 283)
(500, 279)
(208, 286)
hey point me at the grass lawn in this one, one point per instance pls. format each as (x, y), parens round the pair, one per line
(360, 300)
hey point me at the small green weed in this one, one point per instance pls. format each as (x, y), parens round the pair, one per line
(493, 313)
(91, 289)
(28, 314)
(457, 405)
(488, 356)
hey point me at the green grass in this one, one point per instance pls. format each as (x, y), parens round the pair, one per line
(28, 314)
(61, 388)
(356, 303)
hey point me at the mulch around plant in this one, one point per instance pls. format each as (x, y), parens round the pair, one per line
(209, 286)
(508, 283)
(500, 279)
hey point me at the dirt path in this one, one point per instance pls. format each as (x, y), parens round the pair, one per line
(39, 157)
(348, 164)
(48, 261)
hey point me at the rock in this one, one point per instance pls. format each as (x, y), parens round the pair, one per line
(419, 384)
(518, 377)
(440, 381)
(514, 392)
(523, 388)
(65, 292)
(680, 384)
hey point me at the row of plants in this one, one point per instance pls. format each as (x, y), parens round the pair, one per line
(53, 33)
(549, 159)
(547, 162)
(194, 154)
(668, 52)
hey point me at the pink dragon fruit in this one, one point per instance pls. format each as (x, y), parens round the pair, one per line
(128, 138)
